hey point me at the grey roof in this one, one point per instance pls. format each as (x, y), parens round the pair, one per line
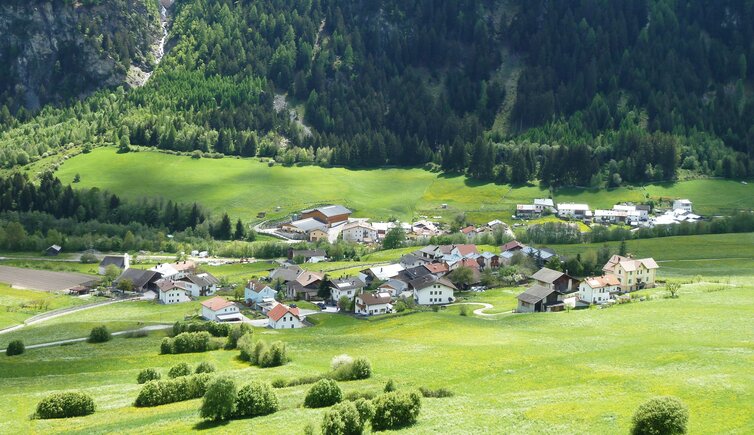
(427, 280)
(285, 274)
(56, 248)
(347, 283)
(535, 294)
(534, 252)
(139, 277)
(309, 224)
(309, 253)
(330, 210)
(411, 258)
(116, 260)
(413, 273)
(547, 275)
(205, 280)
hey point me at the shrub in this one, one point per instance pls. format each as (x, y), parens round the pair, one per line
(100, 334)
(64, 405)
(148, 374)
(166, 347)
(236, 332)
(256, 399)
(360, 368)
(390, 386)
(205, 367)
(155, 393)
(365, 408)
(15, 347)
(395, 410)
(246, 345)
(89, 258)
(339, 361)
(220, 400)
(356, 395)
(662, 415)
(438, 393)
(188, 342)
(179, 370)
(342, 419)
(324, 392)
(214, 328)
(274, 356)
(303, 380)
(259, 348)
(279, 383)
(464, 311)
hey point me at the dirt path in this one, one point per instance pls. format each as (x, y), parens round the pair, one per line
(78, 340)
(485, 307)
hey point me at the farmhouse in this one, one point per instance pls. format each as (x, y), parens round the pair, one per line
(488, 260)
(257, 291)
(348, 287)
(526, 211)
(683, 204)
(469, 231)
(538, 299)
(329, 215)
(380, 273)
(219, 309)
(431, 290)
(172, 292)
(632, 274)
(305, 286)
(285, 273)
(412, 260)
(555, 280)
(360, 232)
(203, 284)
(370, 304)
(576, 211)
(598, 290)
(303, 226)
(142, 280)
(122, 262)
(552, 291)
(284, 317)
(394, 287)
(513, 245)
(309, 255)
(542, 204)
(175, 270)
(317, 234)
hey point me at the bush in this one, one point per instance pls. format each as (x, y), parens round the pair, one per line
(220, 400)
(100, 334)
(261, 354)
(89, 258)
(15, 347)
(339, 361)
(147, 375)
(64, 405)
(259, 348)
(274, 356)
(356, 395)
(342, 419)
(325, 392)
(205, 367)
(464, 310)
(236, 332)
(214, 328)
(365, 408)
(256, 399)
(155, 393)
(390, 386)
(187, 342)
(395, 410)
(246, 345)
(662, 415)
(360, 368)
(179, 370)
(438, 393)
(166, 347)
(303, 380)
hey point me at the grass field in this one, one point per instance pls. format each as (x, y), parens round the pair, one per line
(244, 187)
(17, 305)
(580, 372)
(55, 266)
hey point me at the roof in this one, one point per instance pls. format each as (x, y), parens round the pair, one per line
(308, 224)
(166, 285)
(526, 207)
(465, 250)
(602, 281)
(306, 278)
(202, 280)
(330, 210)
(384, 272)
(281, 310)
(630, 265)
(115, 260)
(257, 286)
(347, 283)
(546, 202)
(411, 259)
(285, 273)
(436, 267)
(469, 229)
(309, 253)
(513, 244)
(217, 303)
(358, 224)
(139, 277)
(428, 280)
(535, 294)
(547, 275)
(470, 263)
(55, 248)
(572, 206)
(374, 298)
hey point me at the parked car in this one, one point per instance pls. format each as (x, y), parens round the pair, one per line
(321, 305)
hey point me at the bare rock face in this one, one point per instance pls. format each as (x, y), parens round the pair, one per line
(52, 51)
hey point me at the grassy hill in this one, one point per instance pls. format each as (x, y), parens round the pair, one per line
(244, 187)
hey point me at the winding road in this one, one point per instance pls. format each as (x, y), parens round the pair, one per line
(485, 307)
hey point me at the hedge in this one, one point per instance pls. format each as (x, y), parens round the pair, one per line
(155, 393)
(187, 342)
(214, 328)
(64, 405)
(396, 410)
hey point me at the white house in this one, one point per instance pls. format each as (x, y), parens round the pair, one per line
(360, 232)
(571, 210)
(540, 204)
(683, 204)
(219, 310)
(393, 286)
(257, 291)
(203, 284)
(172, 292)
(122, 262)
(175, 270)
(348, 287)
(431, 290)
(370, 304)
(380, 273)
(285, 317)
(597, 290)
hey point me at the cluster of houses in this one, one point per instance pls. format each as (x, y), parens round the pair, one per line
(553, 290)
(637, 215)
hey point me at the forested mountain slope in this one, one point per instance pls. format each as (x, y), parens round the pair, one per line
(609, 91)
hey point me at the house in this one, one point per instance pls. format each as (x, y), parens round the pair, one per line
(370, 304)
(469, 231)
(632, 274)
(683, 204)
(411, 260)
(348, 287)
(309, 255)
(380, 273)
(464, 251)
(220, 309)
(305, 286)
(284, 317)
(393, 286)
(542, 204)
(575, 211)
(598, 290)
(175, 270)
(84, 288)
(203, 284)
(610, 216)
(173, 292)
(633, 212)
(143, 280)
(552, 291)
(256, 292)
(513, 245)
(329, 215)
(558, 281)
(360, 232)
(316, 235)
(285, 273)
(537, 299)
(122, 262)
(488, 260)
(438, 269)
(431, 290)
(53, 250)
(304, 226)
(526, 211)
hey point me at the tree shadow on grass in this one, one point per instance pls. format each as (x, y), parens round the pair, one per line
(210, 424)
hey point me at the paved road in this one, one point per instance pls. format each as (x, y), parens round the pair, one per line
(78, 340)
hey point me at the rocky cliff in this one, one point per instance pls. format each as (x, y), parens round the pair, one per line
(52, 51)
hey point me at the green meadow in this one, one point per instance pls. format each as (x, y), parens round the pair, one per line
(245, 187)
(17, 305)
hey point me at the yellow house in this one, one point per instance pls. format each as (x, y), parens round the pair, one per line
(317, 235)
(632, 274)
